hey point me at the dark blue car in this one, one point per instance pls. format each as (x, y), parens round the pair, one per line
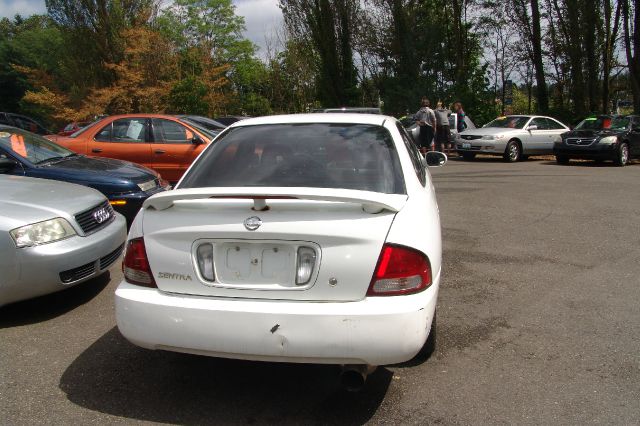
(125, 184)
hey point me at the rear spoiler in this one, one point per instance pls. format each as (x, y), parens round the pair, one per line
(372, 202)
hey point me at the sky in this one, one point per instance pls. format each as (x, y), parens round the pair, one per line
(262, 17)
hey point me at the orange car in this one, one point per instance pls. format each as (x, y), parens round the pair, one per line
(161, 142)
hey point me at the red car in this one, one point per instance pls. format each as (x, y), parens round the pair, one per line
(71, 128)
(161, 142)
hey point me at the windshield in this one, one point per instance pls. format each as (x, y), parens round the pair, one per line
(601, 123)
(511, 122)
(319, 155)
(84, 129)
(30, 147)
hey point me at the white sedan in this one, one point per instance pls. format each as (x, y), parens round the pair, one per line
(53, 235)
(303, 238)
(514, 137)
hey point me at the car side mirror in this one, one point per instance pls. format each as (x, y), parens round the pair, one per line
(435, 159)
(7, 164)
(197, 140)
(532, 127)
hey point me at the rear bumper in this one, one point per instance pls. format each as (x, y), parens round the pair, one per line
(375, 331)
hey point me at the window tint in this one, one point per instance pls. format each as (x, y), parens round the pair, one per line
(4, 119)
(416, 157)
(321, 155)
(34, 148)
(553, 124)
(167, 131)
(104, 135)
(129, 130)
(540, 122)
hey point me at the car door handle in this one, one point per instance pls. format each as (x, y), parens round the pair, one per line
(160, 151)
(96, 150)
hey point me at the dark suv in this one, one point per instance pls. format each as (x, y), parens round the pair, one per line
(23, 122)
(601, 138)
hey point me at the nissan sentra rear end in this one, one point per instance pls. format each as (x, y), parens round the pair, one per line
(307, 238)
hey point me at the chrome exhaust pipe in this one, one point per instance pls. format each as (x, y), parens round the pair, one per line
(353, 377)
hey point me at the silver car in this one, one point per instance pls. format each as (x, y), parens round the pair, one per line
(514, 137)
(53, 235)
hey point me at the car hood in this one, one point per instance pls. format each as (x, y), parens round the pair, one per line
(106, 174)
(25, 200)
(592, 133)
(490, 131)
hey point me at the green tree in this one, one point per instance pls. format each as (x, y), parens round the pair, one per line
(328, 27)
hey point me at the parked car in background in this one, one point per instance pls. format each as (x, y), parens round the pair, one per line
(163, 143)
(359, 110)
(290, 224)
(514, 137)
(212, 126)
(125, 184)
(228, 120)
(53, 235)
(601, 138)
(23, 122)
(71, 128)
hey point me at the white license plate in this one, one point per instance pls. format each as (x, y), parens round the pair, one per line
(466, 145)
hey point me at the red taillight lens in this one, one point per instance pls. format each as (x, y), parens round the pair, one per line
(136, 264)
(400, 270)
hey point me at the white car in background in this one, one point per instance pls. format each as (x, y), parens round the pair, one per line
(309, 238)
(514, 137)
(53, 235)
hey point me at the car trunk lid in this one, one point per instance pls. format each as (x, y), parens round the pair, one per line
(344, 229)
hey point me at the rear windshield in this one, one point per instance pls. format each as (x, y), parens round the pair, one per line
(319, 155)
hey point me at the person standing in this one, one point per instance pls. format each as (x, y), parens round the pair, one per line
(457, 110)
(426, 119)
(443, 133)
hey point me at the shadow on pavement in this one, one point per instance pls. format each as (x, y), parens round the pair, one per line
(112, 376)
(53, 305)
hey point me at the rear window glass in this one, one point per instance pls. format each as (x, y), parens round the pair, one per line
(320, 155)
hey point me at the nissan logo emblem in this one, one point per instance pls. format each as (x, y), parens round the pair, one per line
(252, 223)
(101, 215)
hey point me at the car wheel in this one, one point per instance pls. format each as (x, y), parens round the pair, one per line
(468, 156)
(513, 152)
(562, 159)
(623, 155)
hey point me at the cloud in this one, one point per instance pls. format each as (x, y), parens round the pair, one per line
(262, 19)
(11, 8)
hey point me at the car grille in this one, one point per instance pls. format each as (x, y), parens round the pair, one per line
(107, 260)
(580, 141)
(95, 218)
(78, 273)
(470, 137)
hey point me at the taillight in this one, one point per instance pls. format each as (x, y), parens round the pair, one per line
(136, 264)
(400, 270)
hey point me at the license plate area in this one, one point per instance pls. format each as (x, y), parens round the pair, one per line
(264, 265)
(466, 145)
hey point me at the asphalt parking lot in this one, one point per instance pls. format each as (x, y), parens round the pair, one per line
(537, 324)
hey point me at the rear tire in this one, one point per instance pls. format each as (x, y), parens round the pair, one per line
(468, 156)
(562, 159)
(513, 152)
(622, 157)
